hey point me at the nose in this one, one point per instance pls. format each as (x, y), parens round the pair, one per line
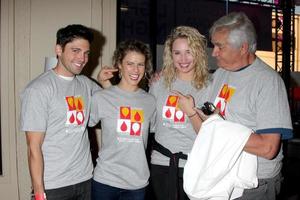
(82, 57)
(135, 68)
(183, 57)
(215, 52)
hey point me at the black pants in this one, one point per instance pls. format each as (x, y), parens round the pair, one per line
(80, 191)
(160, 182)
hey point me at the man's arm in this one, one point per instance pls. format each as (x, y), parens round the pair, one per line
(263, 145)
(35, 160)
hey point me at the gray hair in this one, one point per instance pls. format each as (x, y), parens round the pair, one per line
(240, 29)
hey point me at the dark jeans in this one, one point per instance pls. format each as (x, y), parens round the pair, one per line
(79, 191)
(105, 192)
(160, 183)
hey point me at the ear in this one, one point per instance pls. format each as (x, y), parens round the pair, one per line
(244, 48)
(58, 49)
(119, 66)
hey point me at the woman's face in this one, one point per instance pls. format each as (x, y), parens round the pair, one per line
(183, 58)
(132, 69)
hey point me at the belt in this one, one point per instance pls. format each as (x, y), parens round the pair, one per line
(173, 169)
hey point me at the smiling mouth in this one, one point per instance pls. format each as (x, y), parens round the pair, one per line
(78, 66)
(134, 77)
(184, 65)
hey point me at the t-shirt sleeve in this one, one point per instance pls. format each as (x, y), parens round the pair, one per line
(273, 113)
(94, 114)
(33, 116)
(95, 87)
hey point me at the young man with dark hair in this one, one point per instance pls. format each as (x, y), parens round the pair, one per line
(55, 108)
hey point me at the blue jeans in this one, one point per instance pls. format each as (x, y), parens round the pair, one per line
(79, 191)
(105, 192)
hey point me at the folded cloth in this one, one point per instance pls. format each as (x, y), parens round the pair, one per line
(217, 167)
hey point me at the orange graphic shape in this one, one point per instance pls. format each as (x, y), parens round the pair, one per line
(70, 102)
(223, 91)
(124, 112)
(226, 92)
(137, 115)
(172, 100)
(230, 94)
(79, 103)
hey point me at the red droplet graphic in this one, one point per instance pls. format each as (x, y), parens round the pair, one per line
(123, 126)
(137, 116)
(168, 113)
(72, 119)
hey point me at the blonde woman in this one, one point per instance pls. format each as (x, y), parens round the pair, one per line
(184, 70)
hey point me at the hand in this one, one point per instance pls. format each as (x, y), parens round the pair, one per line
(204, 116)
(106, 73)
(186, 103)
(201, 114)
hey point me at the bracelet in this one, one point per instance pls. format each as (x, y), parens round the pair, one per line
(40, 196)
(192, 115)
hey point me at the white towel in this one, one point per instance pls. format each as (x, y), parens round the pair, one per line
(217, 167)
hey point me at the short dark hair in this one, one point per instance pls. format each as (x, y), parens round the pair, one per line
(71, 32)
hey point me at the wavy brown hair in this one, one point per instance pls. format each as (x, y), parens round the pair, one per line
(197, 43)
(132, 45)
(127, 46)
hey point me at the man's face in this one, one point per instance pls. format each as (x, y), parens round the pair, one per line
(227, 56)
(73, 57)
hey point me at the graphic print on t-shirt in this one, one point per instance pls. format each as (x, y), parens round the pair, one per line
(224, 97)
(130, 121)
(75, 113)
(172, 116)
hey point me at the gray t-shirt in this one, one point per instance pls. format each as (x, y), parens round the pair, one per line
(60, 108)
(126, 118)
(255, 97)
(173, 128)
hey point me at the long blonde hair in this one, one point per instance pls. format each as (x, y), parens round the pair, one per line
(197, 43)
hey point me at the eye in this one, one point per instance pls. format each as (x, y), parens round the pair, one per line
(141, 65)
(75, 50)
(221, 46)
(176, 52)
